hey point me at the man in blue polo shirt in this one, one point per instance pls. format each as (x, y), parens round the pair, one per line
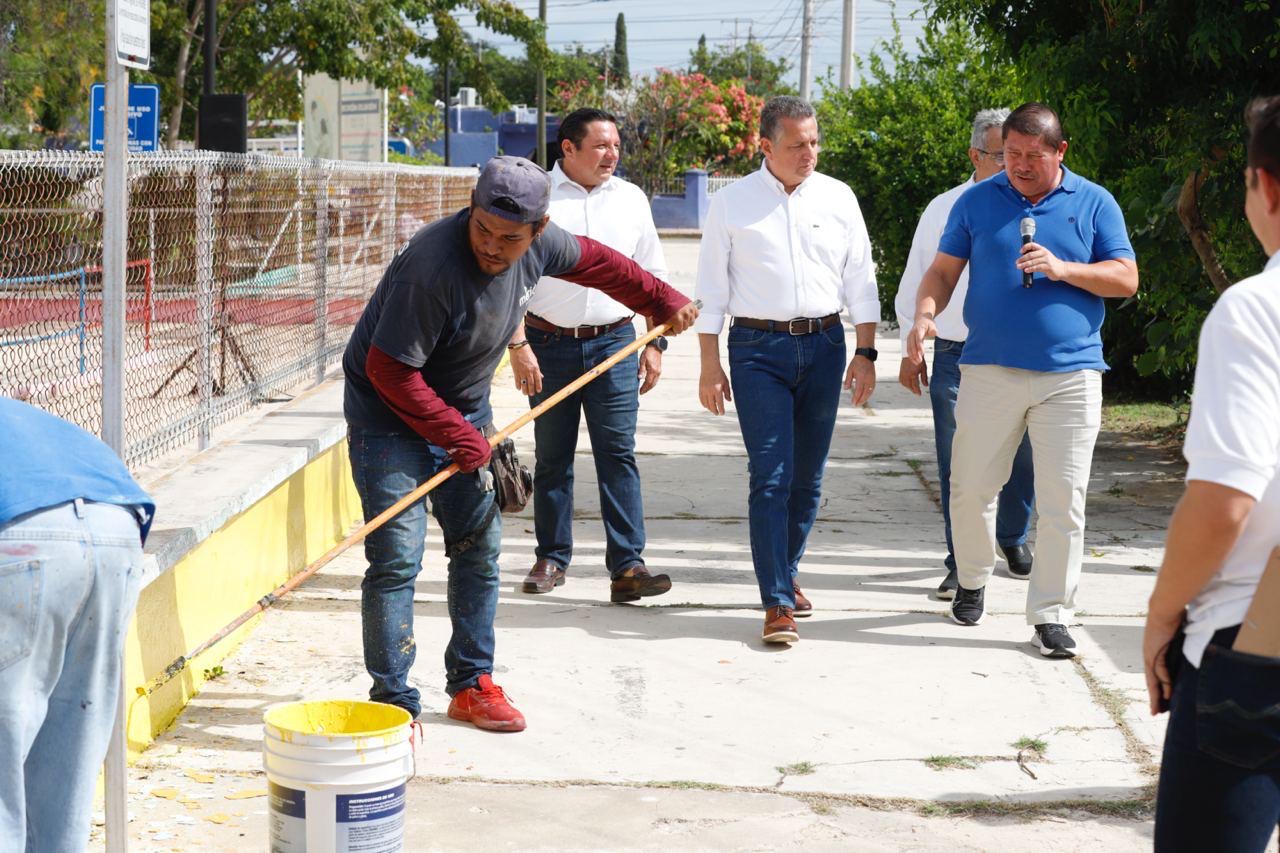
(1033, 360)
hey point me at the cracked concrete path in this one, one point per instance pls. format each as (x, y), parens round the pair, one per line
(887, 727)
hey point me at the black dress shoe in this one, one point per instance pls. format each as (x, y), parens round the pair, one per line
(1019, 559)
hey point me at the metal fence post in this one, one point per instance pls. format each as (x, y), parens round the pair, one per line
(204, 298)
(322, 273)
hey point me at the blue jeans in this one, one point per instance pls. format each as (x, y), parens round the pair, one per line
(610, 404)
(787, 391)
(386, 466)
(1013, 518)
(1220, 774)
(69, 579)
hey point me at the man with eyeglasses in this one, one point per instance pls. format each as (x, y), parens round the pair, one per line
(986, 153)
(1033, 359)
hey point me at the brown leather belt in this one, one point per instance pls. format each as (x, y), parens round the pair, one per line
(798, 326)
(582, 333)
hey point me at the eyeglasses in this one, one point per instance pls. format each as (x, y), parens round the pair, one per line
(998, 156)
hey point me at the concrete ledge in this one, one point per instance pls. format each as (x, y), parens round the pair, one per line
(680, 233)
(232, 524)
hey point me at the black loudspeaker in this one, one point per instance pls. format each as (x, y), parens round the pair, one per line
(224, 123)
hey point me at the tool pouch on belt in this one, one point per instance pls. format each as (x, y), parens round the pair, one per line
(512, 482)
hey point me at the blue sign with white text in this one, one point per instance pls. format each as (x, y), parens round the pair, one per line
(144, 117)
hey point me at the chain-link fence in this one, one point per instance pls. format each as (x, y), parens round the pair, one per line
(245, 275)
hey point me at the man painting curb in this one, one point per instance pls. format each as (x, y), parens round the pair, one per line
(418, 368)
(568, 329)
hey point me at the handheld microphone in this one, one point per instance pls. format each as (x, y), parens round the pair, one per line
(1027, 227)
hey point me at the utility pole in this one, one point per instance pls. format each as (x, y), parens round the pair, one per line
(210, 44)
(846, 46)
(540, 154)
(750, 40)
(806, 49)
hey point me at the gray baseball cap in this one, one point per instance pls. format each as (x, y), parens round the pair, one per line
(513, 188)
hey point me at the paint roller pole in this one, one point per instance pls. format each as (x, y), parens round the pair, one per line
(395, 509)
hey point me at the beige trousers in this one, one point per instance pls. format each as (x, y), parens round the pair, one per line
(1062, 412)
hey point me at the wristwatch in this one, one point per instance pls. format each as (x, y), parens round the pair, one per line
(660, 342)
(869, 353)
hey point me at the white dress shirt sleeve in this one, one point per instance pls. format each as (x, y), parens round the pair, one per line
(924, 247)
(1234, 431)
(859, 275)
(713, 269)
(649, 254)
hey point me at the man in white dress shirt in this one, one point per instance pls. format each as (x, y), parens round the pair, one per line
(568, 330)
(1013, 518)
(783, 251)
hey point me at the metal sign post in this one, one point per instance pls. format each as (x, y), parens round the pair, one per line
(128, 38)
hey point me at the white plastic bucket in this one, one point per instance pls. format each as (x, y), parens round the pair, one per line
(336, 772)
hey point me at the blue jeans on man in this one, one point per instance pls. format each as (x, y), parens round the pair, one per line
(611, 404)
(1219, 783)
(1013, 516)
(69, 579)
(787, 391)
(386, 466)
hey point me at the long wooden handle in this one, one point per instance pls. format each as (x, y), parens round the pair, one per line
(395, 509)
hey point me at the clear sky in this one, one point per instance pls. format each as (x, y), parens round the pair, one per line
(660, 33)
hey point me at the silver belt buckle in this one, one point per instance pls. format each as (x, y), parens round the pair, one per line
(808, 326)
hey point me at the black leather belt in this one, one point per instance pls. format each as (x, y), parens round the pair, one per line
(584, 333)
(798, 326)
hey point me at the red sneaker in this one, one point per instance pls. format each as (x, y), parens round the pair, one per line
(487, 707)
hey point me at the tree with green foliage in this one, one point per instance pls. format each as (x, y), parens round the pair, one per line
(620, 64)
(749, 64)
(900, 138)
(1151, 94)
(50, 54)
(262, 46)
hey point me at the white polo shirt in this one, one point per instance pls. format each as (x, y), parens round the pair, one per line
(773, 256)
(615, 213)
(924, 247)
(1233, 439)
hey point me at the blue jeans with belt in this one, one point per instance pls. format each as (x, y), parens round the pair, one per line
(386, 466)
(610, 404)
(1220, 773)
(1013, 516)
(69, 578)
(787, 390)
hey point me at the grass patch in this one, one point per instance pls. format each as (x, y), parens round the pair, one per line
(890, 473)
(1150, 570)
(950, 762)
(913, 464)
(800, 768)
(1031, 744)
(1156, 423)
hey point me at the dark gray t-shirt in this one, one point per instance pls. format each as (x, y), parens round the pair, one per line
(437, 311)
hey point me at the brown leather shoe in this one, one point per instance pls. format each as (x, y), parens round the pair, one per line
(545, 576)
(804, 607)
(780, 625)
(636, 583)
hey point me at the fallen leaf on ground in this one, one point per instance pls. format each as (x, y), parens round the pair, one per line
(202, 778)
(165, 793)
(247, 795)
(218, 818)
(191, 804)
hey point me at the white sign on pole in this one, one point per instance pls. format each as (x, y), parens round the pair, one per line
(133, 33)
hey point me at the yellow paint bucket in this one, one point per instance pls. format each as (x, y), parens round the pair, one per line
(337, 772)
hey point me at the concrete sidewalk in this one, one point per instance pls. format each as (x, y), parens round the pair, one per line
(887, 727)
